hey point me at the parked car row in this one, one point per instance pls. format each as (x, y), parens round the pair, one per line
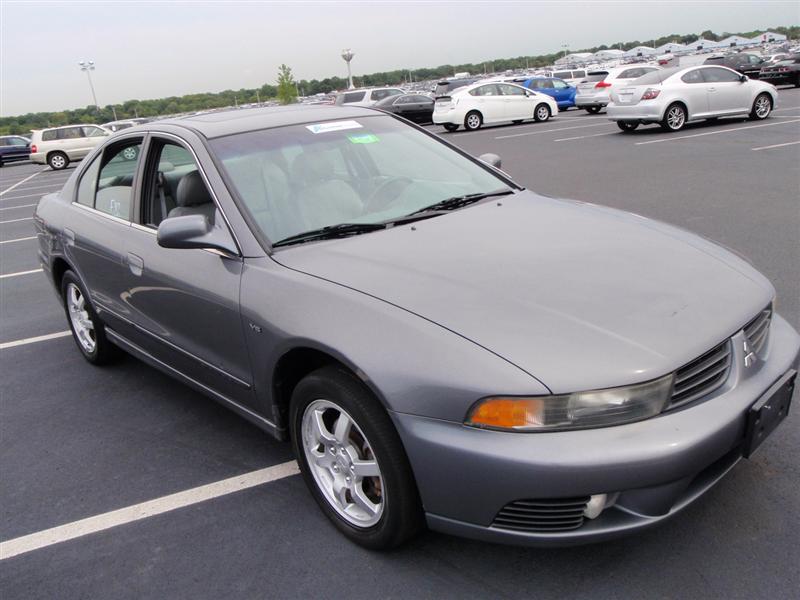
(783, 72)
(58, 146)
(14, 147)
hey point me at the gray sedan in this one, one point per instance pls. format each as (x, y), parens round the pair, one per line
(441, 346)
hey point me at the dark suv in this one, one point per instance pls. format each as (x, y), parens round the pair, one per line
(785, 72)
(746, 64)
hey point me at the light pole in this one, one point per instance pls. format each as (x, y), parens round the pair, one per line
(348, 55)
(565, 47)
(88, 67)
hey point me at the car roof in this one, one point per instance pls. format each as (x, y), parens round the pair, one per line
(230, 121)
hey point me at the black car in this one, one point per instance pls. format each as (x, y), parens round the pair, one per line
(746, 64)
(414, 107)
(14, 147)
(785, 72)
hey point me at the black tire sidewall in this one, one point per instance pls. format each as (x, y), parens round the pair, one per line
(536, 113)
(104, 351)
(466, 120)
(50, 158)
(402, 515)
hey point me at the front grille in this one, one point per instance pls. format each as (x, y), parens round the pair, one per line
(757, 330)
(543, 515)
(703, 375)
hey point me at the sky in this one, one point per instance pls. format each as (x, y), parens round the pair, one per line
(151, 49)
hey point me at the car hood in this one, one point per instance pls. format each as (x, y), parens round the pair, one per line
(579, 296)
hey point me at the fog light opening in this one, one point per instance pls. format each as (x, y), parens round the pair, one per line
(597, 504)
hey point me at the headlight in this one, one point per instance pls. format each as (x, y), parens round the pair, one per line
(580, 410)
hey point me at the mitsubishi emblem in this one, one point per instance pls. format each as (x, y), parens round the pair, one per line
(750, 357)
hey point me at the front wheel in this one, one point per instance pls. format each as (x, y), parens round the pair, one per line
(762, 107)
(451, 127)
(87, 329)
(627, 126)
(542, 113)
(593, 110)
(473, 121)
(675, 118)
(57, 161)
(353, 460)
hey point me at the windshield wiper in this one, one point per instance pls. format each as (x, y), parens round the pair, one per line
(459, 201)
(330, 232)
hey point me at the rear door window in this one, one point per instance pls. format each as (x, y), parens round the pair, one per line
(353, 97)
(49, 135)
(719, 75)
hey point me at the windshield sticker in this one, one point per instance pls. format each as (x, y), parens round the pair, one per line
(363, 138)
(335, 126)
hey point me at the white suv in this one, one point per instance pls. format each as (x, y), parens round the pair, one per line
(366, 96)
(57, 146)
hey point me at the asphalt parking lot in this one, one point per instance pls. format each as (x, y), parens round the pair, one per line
(77, 442)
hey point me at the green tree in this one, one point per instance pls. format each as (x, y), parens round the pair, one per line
(287, 90)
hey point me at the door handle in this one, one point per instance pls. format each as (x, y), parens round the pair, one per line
(711, 89)
(135, 264)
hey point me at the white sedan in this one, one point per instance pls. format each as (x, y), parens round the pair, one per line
(484, 103)
(673, 97)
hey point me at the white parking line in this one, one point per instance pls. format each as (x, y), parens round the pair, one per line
(4, 192)
(583, 137)
(33, 237)
(129, 514)
(42, 187)
(20, 206)
(694, 135)
(513, 135)
(775, 146)
(18, 273)
(39, 195)
(34, 340)
(17, 220)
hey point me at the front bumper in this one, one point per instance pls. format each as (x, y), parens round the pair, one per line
(657, 467)
(646, 111)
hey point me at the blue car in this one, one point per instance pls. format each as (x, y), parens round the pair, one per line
(559, 89)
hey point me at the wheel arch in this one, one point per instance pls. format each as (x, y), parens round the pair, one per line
(299, 361)
(683, 105)
(57, 269)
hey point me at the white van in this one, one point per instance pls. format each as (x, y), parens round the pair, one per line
(57, 146)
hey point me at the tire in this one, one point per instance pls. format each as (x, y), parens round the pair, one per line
(319, 402)
(762, 107)
(473, 121)
(57, 161)
(541, 113)
(593, 110)
(627, 126)
(450, 127)
(674, 117)
(130, 153)
(87, 329)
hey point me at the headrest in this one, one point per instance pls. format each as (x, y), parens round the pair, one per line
(309, 168)
(192, 190)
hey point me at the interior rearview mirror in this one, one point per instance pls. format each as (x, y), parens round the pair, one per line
(194, 231)
(491, 160)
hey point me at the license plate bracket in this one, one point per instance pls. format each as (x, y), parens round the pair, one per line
(768, 412)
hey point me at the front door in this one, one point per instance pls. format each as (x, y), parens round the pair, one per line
(725, 91)
(185, 303)
(516, 104)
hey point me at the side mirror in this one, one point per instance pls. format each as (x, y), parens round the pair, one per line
(194, 231)
(491, 159)
(743, 78)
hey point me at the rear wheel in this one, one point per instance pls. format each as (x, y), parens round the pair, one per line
(87, 329)
(674, 118)
(627, 126)
(593, 110)
(57, 161)
(450, 126)
(762, 107)
(353, 460)
(473, 121)
(542, 112)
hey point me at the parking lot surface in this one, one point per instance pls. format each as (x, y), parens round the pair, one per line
(78, 442)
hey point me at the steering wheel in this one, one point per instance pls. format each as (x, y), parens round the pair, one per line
(386, 192)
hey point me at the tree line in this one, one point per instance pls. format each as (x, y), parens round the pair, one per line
(288, 88)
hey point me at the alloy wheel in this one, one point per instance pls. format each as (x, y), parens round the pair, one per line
(79, 317)
(57, 161)
(129, 153)
(763, 107)
(676, 117)
(542, 113)
(342, 463)
(473, 121)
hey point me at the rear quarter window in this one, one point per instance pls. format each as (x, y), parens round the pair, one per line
(49, 135)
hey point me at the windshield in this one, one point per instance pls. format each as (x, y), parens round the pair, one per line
(367, 170)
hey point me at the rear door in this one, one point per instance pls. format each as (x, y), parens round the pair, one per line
(185, 303)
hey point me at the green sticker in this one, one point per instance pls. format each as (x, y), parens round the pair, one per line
(363, 138)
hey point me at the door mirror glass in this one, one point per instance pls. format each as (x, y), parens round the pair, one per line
(743, 78)
(194, 231)
(491, 160)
